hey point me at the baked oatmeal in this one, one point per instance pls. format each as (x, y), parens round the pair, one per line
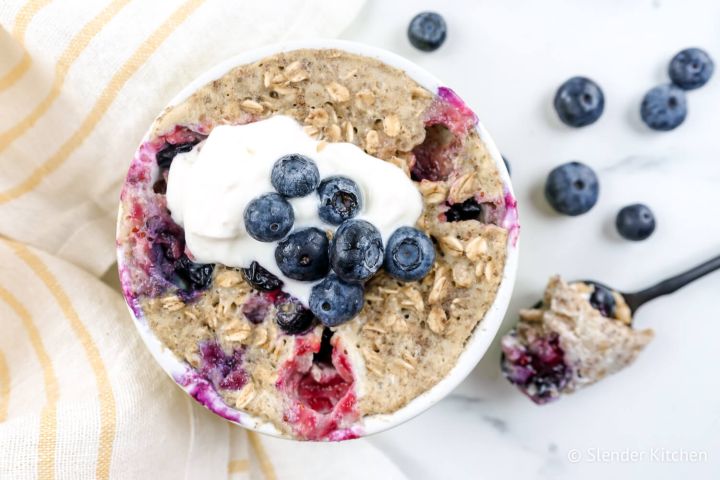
(246, 327)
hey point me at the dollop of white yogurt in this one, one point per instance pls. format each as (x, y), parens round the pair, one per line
(209, 188)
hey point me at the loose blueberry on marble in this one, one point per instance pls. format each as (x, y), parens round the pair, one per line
(261, 279)
(603, 300)
(691, 68)
(470, 209)
(635, 222)
(427, 31)
(269, 217)
(409, 255)
(291, 316)
(572, 188)
(165, 156)
(579, 102)
(356, 251)
(303, 255)
(334, 301)
(295, 175)
(340, 199)
(664, 107)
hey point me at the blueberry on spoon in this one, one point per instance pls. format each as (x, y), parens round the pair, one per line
(560, 346)
(603, 300)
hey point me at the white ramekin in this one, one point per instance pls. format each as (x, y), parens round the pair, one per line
(481, 338)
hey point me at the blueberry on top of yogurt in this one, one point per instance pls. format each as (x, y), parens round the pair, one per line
(268, 217)
(340, 199)
(295, 175)
(303, 255)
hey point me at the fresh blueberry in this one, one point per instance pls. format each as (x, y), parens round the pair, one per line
(340, 199)
(165, 156)
(427, 31)
(603, 300)
(303, 255)
(261, 279)
(507, 165)
(664, 108)
(269, 217)
(356, 251)
(409, 255)
(635, 222)
(691, 68)
(572, 188)
(295, 175)
(470, 209)
(579, 102)
(292, 317)
(334, 301)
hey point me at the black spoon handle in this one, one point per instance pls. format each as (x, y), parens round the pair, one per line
(637, 299)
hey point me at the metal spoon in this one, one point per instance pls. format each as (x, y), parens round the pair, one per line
(635, 300)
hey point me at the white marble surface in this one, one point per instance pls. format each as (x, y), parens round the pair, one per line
(505, 58)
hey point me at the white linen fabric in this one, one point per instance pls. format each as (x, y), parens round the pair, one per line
(80, 397)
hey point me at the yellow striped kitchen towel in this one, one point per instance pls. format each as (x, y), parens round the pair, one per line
(81, 81)
(80, 397)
